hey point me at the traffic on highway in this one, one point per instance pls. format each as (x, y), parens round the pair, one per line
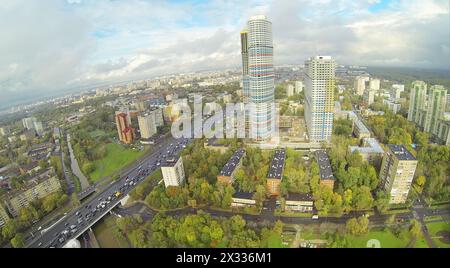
(78, 221)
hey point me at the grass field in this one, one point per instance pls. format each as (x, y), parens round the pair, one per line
(434, 228)
(274, 241)
(387, 239)
(116, 158)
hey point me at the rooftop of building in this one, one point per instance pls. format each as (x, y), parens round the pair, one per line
(171, 161)
(33, 181)
(362, 128)
(277, 165)
(299, 197)
(325, 171)
(243, 195)
(401, 152)
(232, 163)
(372, 146)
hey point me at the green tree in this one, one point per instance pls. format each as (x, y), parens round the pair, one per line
(18, 241)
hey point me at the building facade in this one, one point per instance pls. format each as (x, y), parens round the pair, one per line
(298, 87)
(261, 77)
(4, 217)
(37, 188)
(124, 129)
(417, 100)
(437, 101)
(244, 54)
(28, 122)
(360, 85)
(147, 125)
(319, 97)
(173, 172)
(397, 173)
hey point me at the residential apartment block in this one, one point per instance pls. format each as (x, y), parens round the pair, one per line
(325, 171)
(173, 172)
(276, 172)
(397, 173)
(227, 174)
(319, 97)
(36, 188)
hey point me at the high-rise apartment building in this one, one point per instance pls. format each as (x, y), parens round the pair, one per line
(290, 90)
(417, 100)
(244, 53)
(28, 122)
(261, 77)
(298, 87)
(147, 125)
(369, 96)
(124, 129)
(38, 127)
(319, 97)
(397, 173)
(374, 84)
(437, 101)
(397, 90)
(173, 172)
(360, 84)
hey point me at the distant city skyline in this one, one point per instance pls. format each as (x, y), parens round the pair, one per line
(57, 45)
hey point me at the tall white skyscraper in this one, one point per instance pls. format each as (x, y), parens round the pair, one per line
(319, 97)
(261, 77)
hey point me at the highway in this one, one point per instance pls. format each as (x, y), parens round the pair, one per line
(78, 221)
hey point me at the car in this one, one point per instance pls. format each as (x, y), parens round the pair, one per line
(73, 226)
(80, 220)
(315, 217)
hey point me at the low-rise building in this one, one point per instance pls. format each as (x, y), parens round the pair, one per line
(36, 188)
(243, 199)
(276, 172)
(325, 171)
(173, 171)
(360, 130)
(298, 202)
(370, 151)
(227, 174)
(397, 173)
(212, 144)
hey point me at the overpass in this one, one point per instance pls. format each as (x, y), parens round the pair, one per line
(74, 224)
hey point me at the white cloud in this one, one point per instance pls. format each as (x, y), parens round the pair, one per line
(53, 44)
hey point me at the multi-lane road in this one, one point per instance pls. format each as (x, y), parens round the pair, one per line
(78, 221)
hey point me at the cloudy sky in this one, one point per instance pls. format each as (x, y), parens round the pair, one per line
(51, 45)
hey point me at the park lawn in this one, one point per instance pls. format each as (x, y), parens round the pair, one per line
(434, 228)
(386, 238)
(116, 158)
(275, 241)
(421, 242)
